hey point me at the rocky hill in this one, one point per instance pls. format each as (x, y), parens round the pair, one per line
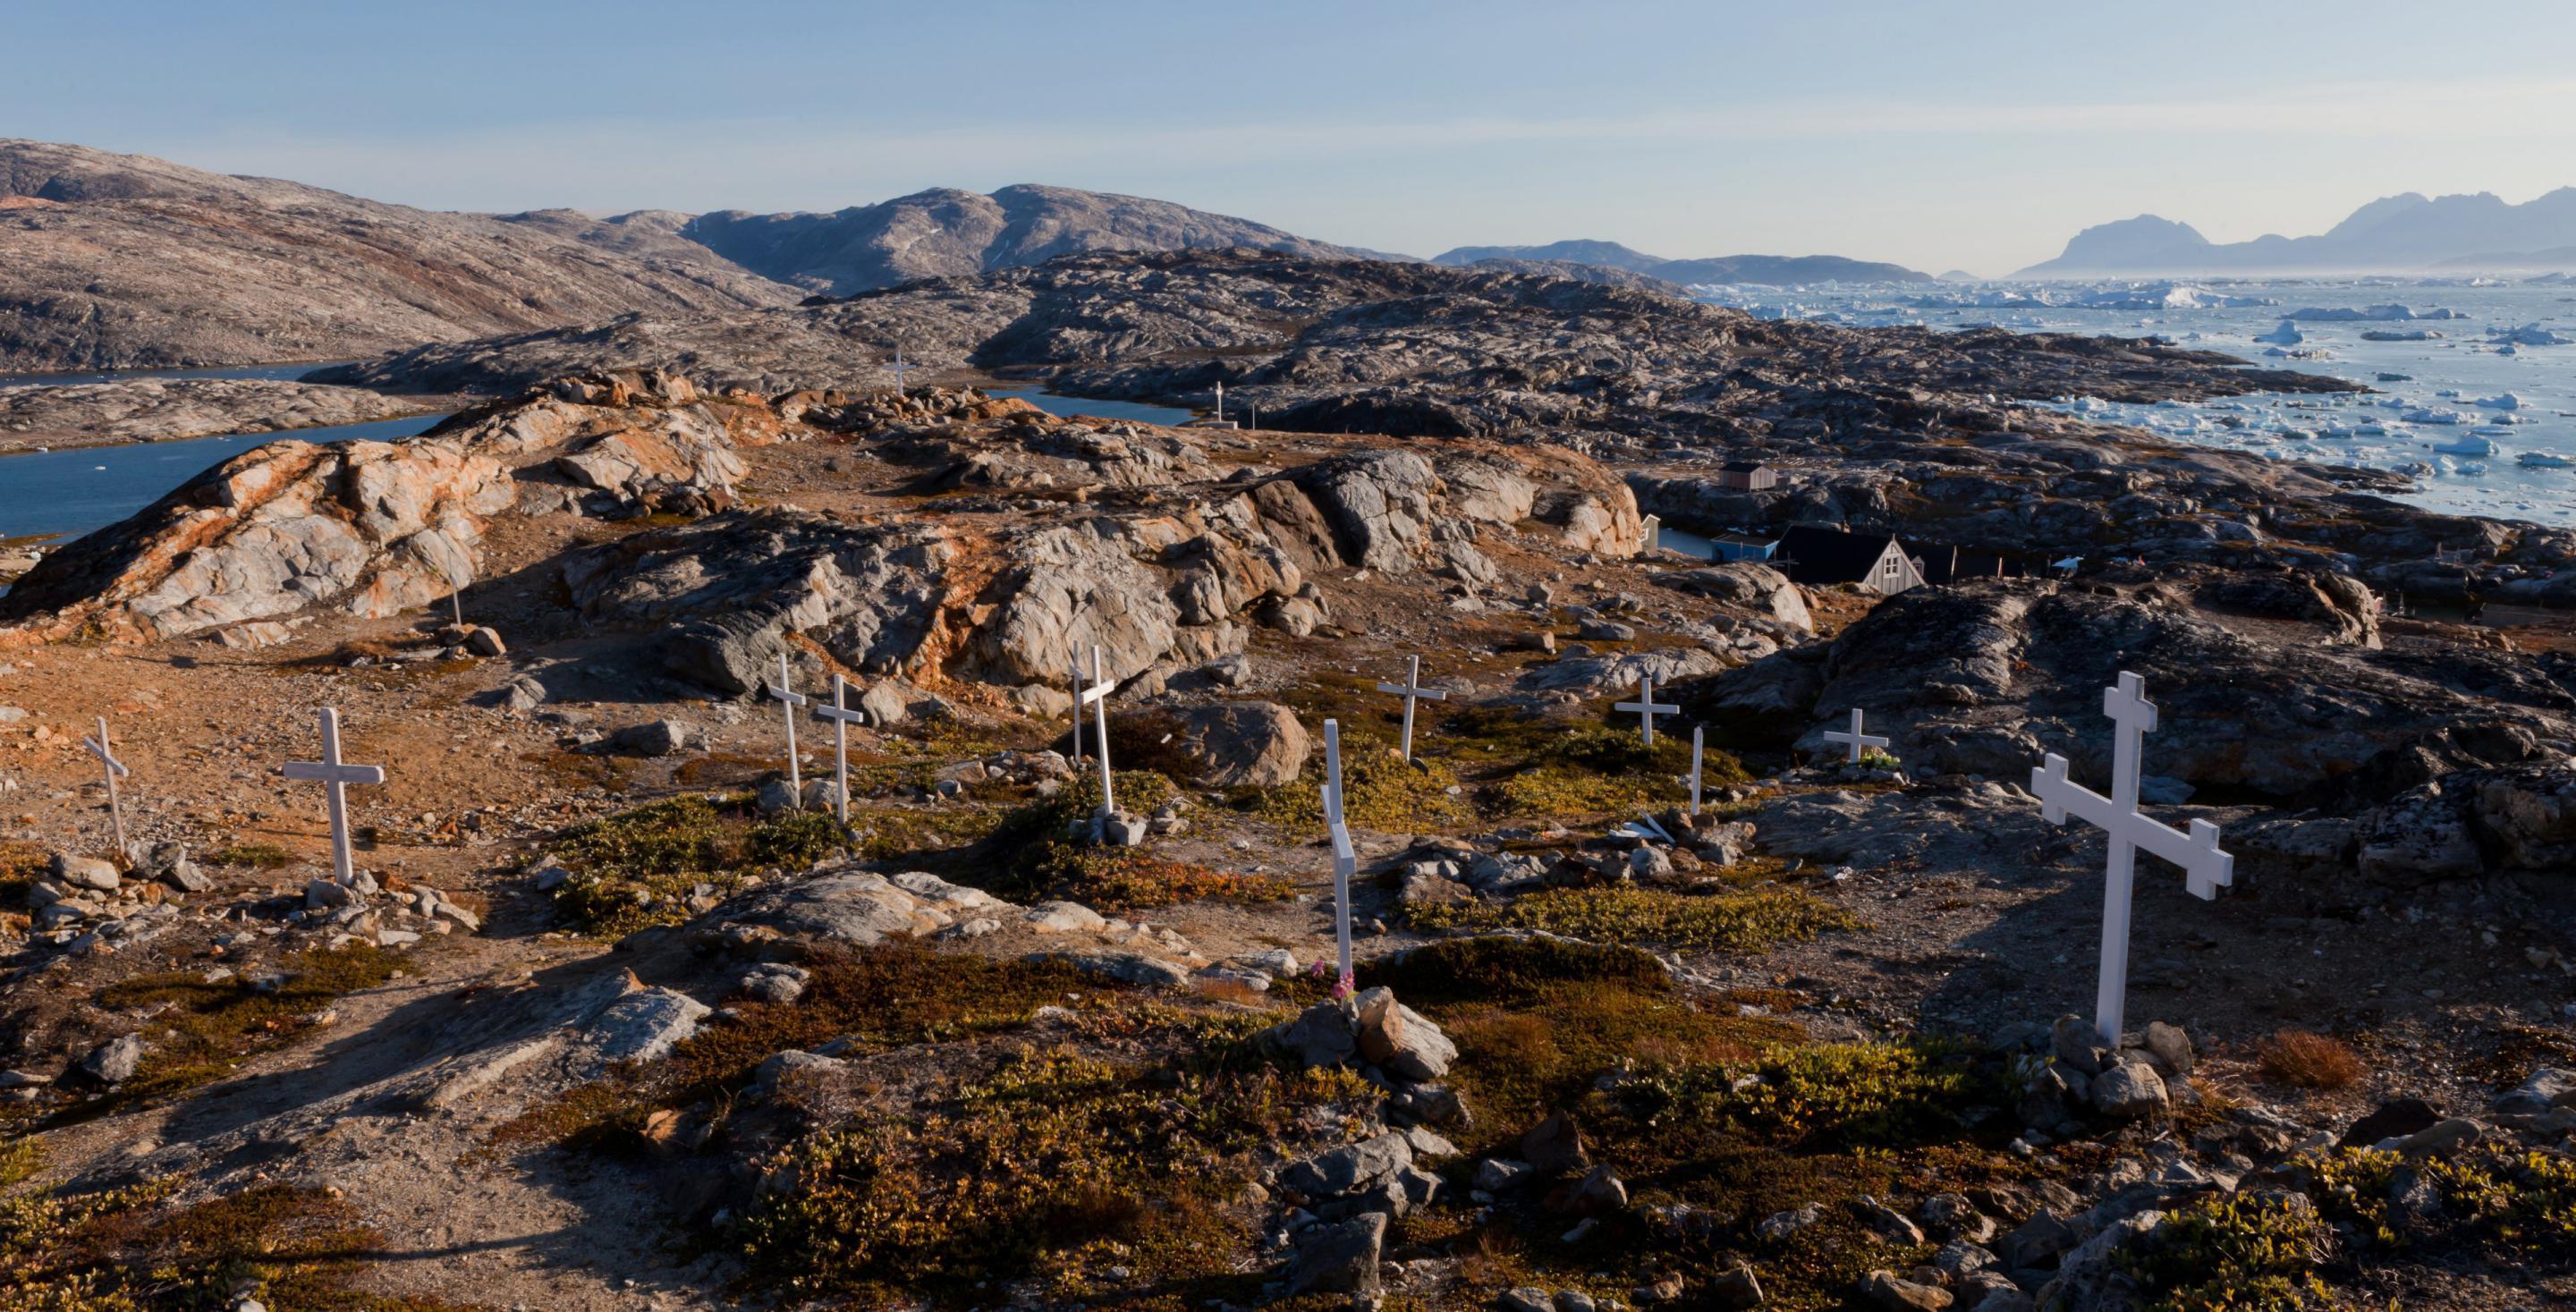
(122, 261)
(944, 232)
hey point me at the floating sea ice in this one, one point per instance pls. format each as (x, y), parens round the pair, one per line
(2430, 416)
(2287, 334)
(2531, 334)
(2543, 460)
(2507, 401)
(2469, 444)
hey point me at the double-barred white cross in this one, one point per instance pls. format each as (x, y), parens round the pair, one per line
(100, 748)
(335, 776)
(1345, 861)
(2207, 868)
(1858, 741)
(1411, 690)
(1646, 707)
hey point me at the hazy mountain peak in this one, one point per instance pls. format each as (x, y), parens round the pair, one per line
(2404, 233)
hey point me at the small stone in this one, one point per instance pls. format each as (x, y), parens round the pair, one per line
(1340, 1257)
(2547, 1087)
(485, 642)
(1496, 1174)
(1779, 1227)
(2170, 1049)
(777, 797)
(2130, 1091)
(185, 876)
(652, 738)
(2077, 1044)
(85, 872)
(1737, 1288)
(1886, 1290)
(1886, 1222)
(1527, 1298)
(1573, 1300)
(1599, 1191)
(114, 1061)
(323, 894)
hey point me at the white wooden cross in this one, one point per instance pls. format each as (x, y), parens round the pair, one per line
(1220, 400)
(1646, 707)
(2208, 869)
(1345, 862)
(1697, 733)
(788, 700)
(1410, 690)
(899, 368)
(1097, 696)
(842, 715)
(105, 752)
(335, 776)
(1858, 741)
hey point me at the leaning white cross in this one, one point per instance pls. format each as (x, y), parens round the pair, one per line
(1097, 696)
(1858, 741)
(1345, 862)
(788, 700)
(842, 715)
(335, 776)
(105, 752)
(2118, 816)
(1646, 707)
(1411, 690)
(1697, 731)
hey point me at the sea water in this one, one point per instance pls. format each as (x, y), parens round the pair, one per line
(2459, 414)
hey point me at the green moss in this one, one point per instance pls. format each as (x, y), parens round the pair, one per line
(1381, 790)
(1094, 1177)
(2235, 1253)
(640, 867)
(1035, 852)
(204, 1030)
(1822, 1096)
(1737, 921)
(256, 856)
(125, 1250)
(2515, 1204)
(1596, 770)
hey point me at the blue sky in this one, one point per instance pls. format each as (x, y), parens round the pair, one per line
(1974, 135)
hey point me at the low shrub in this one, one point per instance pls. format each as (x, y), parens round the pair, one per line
(2305, 1060)
(1828, 1096)
(640, 867)
(204, 1029)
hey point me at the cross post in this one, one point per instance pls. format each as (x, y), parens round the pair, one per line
(1345, 861)
(899, 368)
(1698, 732)
(1097, 696)
(788, 700)
(1858, 741)
(1220, 400)
(335, 776)
(1646, 707)
(842, 717)
(104, 751)
(2206, 868)
(1411, 690)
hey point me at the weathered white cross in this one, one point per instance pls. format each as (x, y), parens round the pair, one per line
(2207, 868)
(842, 715)
(1697, 733)
(1220, 400)
(335, 776)
(1411, 690)
(1646, 707)
(1097, 697)
(899, 368)
(1345, 862)
(104, 751)
(788, 700)
(1858, 741)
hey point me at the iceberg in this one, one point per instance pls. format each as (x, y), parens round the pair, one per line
(2436, 417)
(2543, 460)
(2468, 445)
(2286, 335)
(2504, 401)
(2531, 334)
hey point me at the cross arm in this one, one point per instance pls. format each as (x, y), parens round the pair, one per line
(2059, 796)
(844, 714)
(322, 772)
(2208, 868)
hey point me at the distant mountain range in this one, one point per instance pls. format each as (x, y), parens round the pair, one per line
(2411, 233)
(1771, 270)
(124, 261)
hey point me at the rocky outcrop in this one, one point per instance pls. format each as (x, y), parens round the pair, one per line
(1984, 679)
(373, 528)
(1171, 571)
(168, 409)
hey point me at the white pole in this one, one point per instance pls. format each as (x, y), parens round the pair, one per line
(1100, 699)
(788, 701)
(1696, 732)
